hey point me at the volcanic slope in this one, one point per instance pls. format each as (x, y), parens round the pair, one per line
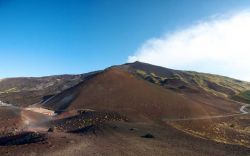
(118, 90)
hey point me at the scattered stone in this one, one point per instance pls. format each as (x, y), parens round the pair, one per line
(71, 141)
(133, 129)
(22, 139)
(51, 146)
(148, 135)
(33, 154)
(51, 129)
(232, 125)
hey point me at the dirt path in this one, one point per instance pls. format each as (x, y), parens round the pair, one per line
(242, 110)
(41, 111)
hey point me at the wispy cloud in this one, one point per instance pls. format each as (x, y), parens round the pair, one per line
(219, 45)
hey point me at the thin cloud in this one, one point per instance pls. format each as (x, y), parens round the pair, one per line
(220, 45)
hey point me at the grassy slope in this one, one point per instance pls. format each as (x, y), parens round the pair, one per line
(246, 95)
(169, 78)
(243, 97)
(219, 85)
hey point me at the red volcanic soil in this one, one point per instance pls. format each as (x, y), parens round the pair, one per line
(120, 91)
(10, 119)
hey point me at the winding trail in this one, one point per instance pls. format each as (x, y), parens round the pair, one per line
(242, 110)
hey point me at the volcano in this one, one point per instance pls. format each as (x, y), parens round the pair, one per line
(116, 89)
(130, 109)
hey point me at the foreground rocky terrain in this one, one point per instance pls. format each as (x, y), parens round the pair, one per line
(130, 109)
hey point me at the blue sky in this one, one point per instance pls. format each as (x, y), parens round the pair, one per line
(48, 37)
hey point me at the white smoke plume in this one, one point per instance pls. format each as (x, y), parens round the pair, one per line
(220, 45)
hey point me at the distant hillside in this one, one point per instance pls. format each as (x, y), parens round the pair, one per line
(29, 90)
(188, 80)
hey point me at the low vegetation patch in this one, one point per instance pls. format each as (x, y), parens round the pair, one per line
(243, 97)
